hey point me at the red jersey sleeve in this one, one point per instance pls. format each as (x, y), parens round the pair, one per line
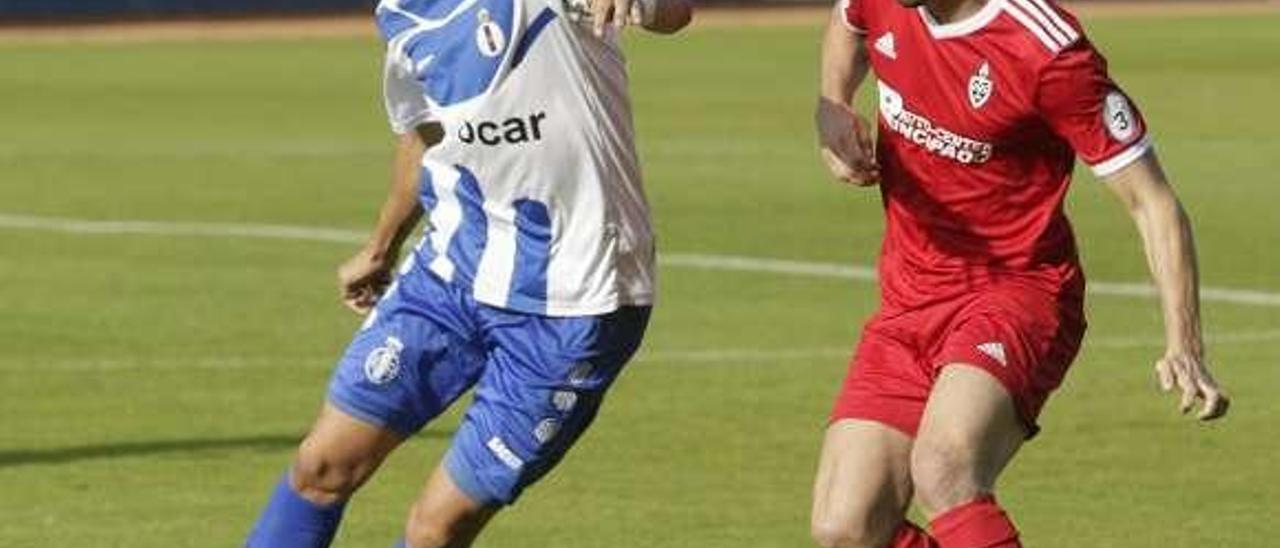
(1080, 102)
(854, 13)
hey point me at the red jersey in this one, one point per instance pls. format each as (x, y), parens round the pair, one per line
(980, 123)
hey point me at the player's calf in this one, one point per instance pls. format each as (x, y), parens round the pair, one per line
(444, 516)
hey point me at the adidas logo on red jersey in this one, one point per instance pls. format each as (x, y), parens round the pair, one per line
(886, 46)
(996, 351)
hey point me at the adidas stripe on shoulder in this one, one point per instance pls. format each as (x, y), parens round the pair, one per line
(845, 6)
(1044, 22)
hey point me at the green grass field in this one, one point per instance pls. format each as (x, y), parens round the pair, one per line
(152, 387)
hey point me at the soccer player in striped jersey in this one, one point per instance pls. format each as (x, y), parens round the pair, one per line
(534, 279)
(984, 106)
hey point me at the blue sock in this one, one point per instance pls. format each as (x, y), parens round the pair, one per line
(400, 544)
(290, 521)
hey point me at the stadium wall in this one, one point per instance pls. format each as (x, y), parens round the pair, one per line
(54, 10)
(62, 9)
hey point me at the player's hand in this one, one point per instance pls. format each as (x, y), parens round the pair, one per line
(619, 13)
(844, 138)
(1190, 376)
(362, 279)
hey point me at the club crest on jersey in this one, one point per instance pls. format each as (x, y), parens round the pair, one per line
(489, 36)
(981, 86)
(383, 363)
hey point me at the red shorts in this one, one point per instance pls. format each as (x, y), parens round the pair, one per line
(1026, 338)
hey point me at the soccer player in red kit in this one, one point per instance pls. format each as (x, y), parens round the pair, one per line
(983, 107)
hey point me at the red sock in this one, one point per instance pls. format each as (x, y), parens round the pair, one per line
(911, 536)
(979, 523)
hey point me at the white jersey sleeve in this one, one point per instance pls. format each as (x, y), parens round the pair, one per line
(402, 94)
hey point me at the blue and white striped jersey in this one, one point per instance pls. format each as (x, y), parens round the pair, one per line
(534, 196)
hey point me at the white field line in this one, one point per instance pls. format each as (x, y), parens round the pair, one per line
(162, 228)
(710, 356)
(705, 356)
(1155, 341)
(868, 274)
(1246, 297)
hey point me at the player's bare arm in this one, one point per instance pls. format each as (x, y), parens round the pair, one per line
(659, 16)
(1170, 249)
(363, 277)
(844, 136)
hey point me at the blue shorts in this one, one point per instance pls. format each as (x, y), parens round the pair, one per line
(539, 380)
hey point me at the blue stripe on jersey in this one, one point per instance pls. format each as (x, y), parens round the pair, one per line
(533, 255)
(448, 60)
(427, 197)
(530, 34)
(472, 236)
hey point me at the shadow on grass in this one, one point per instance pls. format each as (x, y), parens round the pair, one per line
(64, 455)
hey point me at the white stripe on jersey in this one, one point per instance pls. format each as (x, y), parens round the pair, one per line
(1057, 19)
(498, 260)
(1043, 20)
(422, 23)
(1125, 158)
(1034, 27)
(445, 217)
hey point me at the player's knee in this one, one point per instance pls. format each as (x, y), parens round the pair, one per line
(326, 479)
(944, 474)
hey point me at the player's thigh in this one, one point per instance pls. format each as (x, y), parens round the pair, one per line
(863, 484)
(970, 431)
(543, 385)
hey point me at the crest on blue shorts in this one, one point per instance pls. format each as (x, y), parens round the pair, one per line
(383, 363)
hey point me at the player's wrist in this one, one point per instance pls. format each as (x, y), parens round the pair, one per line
(1190, 346)
(835, 99)
(380, 249)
